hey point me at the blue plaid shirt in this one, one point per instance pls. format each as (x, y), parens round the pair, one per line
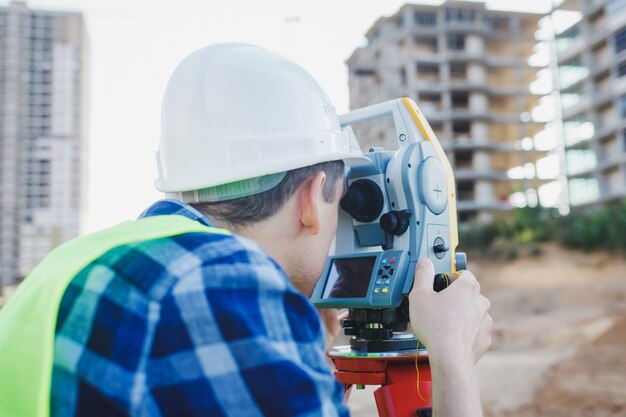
(197, 324)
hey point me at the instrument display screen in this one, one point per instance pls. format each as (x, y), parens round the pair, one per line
(349, 277)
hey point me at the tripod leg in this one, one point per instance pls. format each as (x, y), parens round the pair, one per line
(347, 389)
(400, 397)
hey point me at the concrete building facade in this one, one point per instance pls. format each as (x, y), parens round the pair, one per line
(467, 68)
(590, 76)
(43, 131)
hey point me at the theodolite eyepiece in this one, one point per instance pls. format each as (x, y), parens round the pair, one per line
(363, 201)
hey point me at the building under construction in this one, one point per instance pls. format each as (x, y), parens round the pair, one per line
(43, 99)
(467, 68)
(590, 76)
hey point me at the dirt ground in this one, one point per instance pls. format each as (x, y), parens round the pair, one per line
(559, 340)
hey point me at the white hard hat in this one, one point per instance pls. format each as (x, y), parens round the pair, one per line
(234, 112)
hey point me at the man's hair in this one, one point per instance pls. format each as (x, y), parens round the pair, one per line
(254, 208)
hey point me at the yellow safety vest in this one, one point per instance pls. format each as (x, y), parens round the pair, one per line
(28, 321)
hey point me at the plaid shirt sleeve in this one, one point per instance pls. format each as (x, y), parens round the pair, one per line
(235, 338)
(192, 325)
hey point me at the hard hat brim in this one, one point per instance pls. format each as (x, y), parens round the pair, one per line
(243, 156)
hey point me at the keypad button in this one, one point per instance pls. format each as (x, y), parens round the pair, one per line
(385, 290)
(384, 276)
(391, 271)
(379, 281)
(376, 290)
(387, 267)
(380, 272)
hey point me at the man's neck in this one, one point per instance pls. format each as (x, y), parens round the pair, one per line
(283, 238)
(273, 239)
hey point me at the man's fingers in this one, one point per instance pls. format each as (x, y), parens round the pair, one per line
(424, 274)
(330, 319)
(482, 342)
(453, 277)
(486, 304)
(467, 278)
(343, 314)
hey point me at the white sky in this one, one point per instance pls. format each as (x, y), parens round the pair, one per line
(136, 44)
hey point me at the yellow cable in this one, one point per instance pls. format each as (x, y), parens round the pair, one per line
(417, 370)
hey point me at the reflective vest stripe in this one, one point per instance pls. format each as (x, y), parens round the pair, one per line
(28, 320)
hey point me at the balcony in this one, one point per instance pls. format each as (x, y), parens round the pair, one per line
(479, 174)
(464, 26)
(610, 161)
(427, 77)
(591, 133)
(364, 71)
(467, 143)
(604, 96)
(607, 159)
(501, 117)
(473, 205)
(424, 86)
(468, 113)
(511, 90)
(466, 84)
(583, 105)
(421, 30)
(465, 55)
(593, 7)
(602, 63)
(497, 61)
(430, 109)
(581, 43)
(606, 128)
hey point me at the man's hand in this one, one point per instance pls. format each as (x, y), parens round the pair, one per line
(455, 326)
(332, 323)
(455, 320)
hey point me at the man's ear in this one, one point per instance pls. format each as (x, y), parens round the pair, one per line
(311, 196)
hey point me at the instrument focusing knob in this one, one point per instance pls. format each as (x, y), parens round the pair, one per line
(395, 222)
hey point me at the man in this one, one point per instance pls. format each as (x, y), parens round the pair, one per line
(210, 323)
